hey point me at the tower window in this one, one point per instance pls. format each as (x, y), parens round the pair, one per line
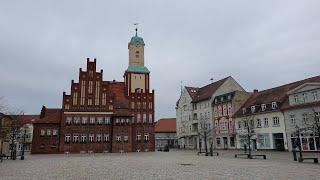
(137, 54)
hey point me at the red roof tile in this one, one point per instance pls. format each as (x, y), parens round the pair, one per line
(50, 115)
(166, 125)
(206, 92)
(277, 94)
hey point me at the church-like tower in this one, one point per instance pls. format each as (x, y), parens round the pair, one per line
(136, 76)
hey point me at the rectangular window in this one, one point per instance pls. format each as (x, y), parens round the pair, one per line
(139, 137)
(54, 132)
(68, 120)
(118, 138)
(117, 120)
(83, 138)
(229, 110)
(104, 99)
(138, 105)
(144, 105)
(132, 105)
(106, 138)
(315, 95)
(144, 118)
(75, 98)
(76, 120)
(218, 141)
(125, 138)
(42, 132)
(258, 122)
(296, 98)
(110, 107)
(67, 138)
(253, 108)
(275, 121)
(150, 118)
(97, 95)
(90, 87)
(292, 120)
(305, 97)
(92, 120)
(99, 138)
(91, 137)
(305, 118)
(84, 120)
(48, 132)
(100, 120)
(224, 110)
(89, 102)
(83, 92)
(107, 120)
(75, 138)
(146, 137)
(266, 122)
(138, 118)
(274, 105)
(263, 107)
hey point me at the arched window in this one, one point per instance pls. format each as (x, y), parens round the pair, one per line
(137, 54)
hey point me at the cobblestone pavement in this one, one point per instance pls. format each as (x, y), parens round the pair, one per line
(158, 165)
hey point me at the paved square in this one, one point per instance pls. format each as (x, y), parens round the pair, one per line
(157, 165)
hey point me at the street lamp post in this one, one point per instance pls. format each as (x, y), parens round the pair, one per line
(23, 145)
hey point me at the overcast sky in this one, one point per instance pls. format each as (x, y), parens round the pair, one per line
(260, 44)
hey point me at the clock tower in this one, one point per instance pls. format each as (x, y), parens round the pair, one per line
(136, 76)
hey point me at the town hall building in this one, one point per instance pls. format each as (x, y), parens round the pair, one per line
(101, 116)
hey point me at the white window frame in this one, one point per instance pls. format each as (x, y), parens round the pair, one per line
(266, 122)
(274, 105)
(146, 137)
(276, 121)
(67, 138)
(263, 107)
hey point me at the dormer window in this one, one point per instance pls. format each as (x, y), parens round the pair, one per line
(263, 107)
(243, 110)
(305, 97)
(253, 108)
(274, 105)
(315, 95)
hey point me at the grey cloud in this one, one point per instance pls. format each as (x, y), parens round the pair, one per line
(260, 43)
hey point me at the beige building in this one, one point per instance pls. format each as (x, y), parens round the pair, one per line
(194, 112)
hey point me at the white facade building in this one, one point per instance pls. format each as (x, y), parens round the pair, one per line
(194, 112)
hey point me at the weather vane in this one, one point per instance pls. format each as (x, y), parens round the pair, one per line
(136, 25)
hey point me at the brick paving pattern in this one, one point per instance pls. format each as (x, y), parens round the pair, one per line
(158, 165)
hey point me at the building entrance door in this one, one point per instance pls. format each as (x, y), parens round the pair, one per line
(278, 141)
(225, 142)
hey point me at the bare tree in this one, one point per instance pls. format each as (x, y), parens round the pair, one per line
(204, 132)
(248, 130)
(12, 131)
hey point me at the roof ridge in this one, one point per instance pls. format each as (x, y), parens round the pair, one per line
(288, 84)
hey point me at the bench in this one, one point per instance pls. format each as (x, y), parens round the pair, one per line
(259, 155)
(315, 160)
(236, 155)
